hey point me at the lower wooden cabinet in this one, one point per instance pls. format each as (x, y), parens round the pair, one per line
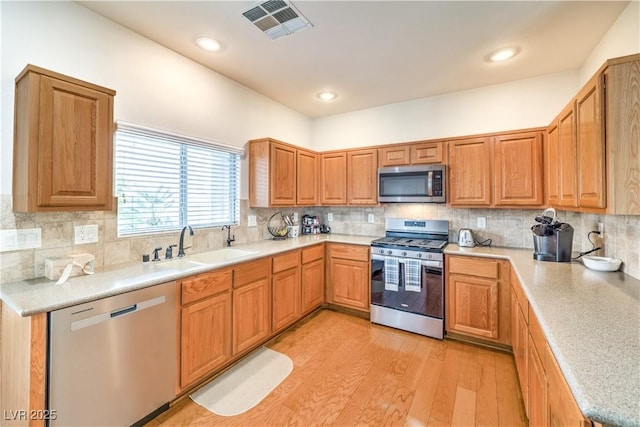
(348, 275)
(285, 289)
(312, 278)
(520, 345)
(205, 337)
(205, 324)
(562, 407)
(537, 386)
(478, 298)
(251, 304)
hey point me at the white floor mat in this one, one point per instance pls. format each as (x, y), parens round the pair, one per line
(246, 384)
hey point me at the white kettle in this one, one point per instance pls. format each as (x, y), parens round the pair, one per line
(465, 238)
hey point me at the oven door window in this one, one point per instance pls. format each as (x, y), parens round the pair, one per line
(428, 301)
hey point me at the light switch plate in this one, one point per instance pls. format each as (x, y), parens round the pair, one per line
(482, 222)
(251, 221)
(370, 218)
(329, 217)
(85, 234)
(23, 238)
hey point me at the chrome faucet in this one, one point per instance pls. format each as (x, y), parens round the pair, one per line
(229, 238)
(181, 247)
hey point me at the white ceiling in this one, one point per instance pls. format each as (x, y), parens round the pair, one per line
(375, 52)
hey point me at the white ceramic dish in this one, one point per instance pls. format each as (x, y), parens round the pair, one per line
(599, 263)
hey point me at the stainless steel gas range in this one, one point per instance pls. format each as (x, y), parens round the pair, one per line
(407, 281)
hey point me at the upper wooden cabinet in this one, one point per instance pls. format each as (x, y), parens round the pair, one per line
(470, 172)
(63, 143)
(518, 169)
(272, 173)
(362, 177)
(593, 149)
(411, 154)
(497, 170)
(307, 178)
(333, 178)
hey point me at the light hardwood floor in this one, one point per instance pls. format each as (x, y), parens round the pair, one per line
(350, 372)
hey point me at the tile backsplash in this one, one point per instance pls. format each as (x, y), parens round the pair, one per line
(505, 227)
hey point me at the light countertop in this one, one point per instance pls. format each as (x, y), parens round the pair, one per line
(29, 297)
(592, 323)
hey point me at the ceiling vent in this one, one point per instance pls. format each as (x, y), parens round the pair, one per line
(276, 18)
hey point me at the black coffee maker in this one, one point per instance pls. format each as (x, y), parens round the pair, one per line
(552, 239)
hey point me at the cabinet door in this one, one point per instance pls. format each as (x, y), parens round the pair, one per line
(567, 155)
(563, 410)
(518, 169)
(333, 179)
(470, 172)
(282, 175)
(520, 343)
(393, 156)
(75, 146)
(312, 285)
(251, 314)
(349, 283)
(473, 306)
(205, 339)
(286, 298)
(428, 152)
(552, 164)
(362, 177)
(538, 409)
(590, 145)
(307, 184)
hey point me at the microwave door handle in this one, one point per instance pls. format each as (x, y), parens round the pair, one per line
(430, 183)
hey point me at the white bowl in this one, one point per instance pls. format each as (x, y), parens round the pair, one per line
(600, 263)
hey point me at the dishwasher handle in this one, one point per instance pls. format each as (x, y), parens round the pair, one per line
(125, 310)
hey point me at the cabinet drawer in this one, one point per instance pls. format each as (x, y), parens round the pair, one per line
(286, 261)
(313, 253)
(204, 285)
(536, 333)
(481, 267)
(523, 302)
(251, 272)
(351, 252)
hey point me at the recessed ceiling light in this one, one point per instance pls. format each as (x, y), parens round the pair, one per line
(327, 95)
(207, 43)
(503, 54)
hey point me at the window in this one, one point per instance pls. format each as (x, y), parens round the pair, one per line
(166, 181)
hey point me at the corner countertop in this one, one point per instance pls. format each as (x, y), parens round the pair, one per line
(592, 324)
(29, 297)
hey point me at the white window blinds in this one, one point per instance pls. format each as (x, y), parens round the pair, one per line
(165, 181)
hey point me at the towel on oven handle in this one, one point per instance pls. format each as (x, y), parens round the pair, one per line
(412, 278)
(391, 273)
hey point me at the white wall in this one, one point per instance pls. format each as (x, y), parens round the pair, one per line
(516, 105)
(155, 86)
(623, 38)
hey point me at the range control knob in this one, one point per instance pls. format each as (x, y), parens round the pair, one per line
(381, 251)
(404, 253)
(389, 252)
(419, 255)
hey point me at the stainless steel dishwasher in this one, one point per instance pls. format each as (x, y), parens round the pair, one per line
(112, 362)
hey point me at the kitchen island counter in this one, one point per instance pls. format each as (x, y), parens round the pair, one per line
(29, 297)
(591, 321)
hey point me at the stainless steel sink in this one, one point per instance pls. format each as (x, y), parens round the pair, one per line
(180, 264)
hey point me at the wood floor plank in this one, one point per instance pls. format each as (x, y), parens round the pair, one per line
(348, 371)
(464, 408)
(486, 395)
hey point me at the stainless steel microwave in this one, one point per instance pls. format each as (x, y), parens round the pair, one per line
(412, 184)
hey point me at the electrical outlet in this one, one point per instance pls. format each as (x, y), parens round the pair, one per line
(482, 222)
(329, 217)
(294, 217)
(370, 218)
(601, 229)
(251, 221)
(85, 234)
